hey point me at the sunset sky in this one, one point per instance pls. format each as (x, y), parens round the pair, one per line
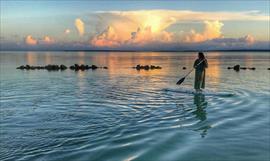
(135, 25)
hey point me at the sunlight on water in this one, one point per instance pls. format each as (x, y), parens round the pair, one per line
(120, 113)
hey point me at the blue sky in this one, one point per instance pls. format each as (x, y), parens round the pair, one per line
(55, 20)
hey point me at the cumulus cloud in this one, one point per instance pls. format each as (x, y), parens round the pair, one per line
(249, 39)
(146, 35)
(67, 31)
(161, 19)
(108, 38)
(79, 24)
(29, 40)
(111, 38)
(161, 29)
(46, 40)
(212, 29)
(228, 43)
(142, 27)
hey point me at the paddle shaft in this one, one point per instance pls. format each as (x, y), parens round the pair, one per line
(193, 68)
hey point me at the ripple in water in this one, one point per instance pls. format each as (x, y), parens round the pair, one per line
(132, 115)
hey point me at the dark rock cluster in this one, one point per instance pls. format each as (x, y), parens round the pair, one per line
(47, 67)
(146, 67)
(59, 67)
(238, 67)
(77, 67)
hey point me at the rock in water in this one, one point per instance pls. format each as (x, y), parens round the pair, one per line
(236, 67)
(21, 67)
(94, 67)
(146, 67)
(27, 67)
(63, 67)
(138, 67)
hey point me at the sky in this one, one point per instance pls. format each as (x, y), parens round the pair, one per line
(135, 25)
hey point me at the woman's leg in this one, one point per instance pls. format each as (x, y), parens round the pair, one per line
(198, 80)
(203, 80)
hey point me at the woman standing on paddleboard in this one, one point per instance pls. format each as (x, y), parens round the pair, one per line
(200, 64)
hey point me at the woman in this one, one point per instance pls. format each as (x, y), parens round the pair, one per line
(200, 64)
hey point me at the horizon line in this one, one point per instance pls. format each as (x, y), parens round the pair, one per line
(110, 50)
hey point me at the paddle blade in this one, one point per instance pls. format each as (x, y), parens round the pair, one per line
(180, 81)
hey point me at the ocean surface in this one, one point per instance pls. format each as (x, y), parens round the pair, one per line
(121, 114)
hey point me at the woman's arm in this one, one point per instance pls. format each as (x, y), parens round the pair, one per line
(195, 63)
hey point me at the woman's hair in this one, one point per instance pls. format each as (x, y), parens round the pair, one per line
(201, 55)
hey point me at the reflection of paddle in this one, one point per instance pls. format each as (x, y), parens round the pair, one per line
(183, 79)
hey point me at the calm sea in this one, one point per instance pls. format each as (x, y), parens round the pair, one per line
(121, 114)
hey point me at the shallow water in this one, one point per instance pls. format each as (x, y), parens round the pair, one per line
(124, 114)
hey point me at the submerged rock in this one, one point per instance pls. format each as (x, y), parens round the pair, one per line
(236, 67)
(54, 67)
(63, 67)
(72, 67)
(94, 67)
(21, 67)
(38, 67)
(138, 67)
(83, 67)
(146, 67)
(268, 68)
(27, 67)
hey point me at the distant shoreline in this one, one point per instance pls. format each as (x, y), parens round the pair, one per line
(146, 50)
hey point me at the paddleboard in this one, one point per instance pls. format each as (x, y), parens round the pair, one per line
(203, 92)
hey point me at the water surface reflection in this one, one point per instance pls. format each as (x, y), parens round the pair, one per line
(200, 113)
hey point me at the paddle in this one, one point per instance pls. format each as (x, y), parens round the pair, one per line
(183, 79)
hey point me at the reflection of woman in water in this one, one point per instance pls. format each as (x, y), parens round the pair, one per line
(200, 64)
(201, 104)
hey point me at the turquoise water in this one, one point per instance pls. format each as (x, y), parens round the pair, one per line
(121, 114)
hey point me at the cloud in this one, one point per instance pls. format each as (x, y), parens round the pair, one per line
(111, 38)
(29, 40)
(67, 31)
(212, 30)
(249, 39)
(108, 38)
(79, 24)
(242, 43)
(143, 27)
(146, 35)
(46, 40)
(161, 19)
(228, 43)
(158, 30)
